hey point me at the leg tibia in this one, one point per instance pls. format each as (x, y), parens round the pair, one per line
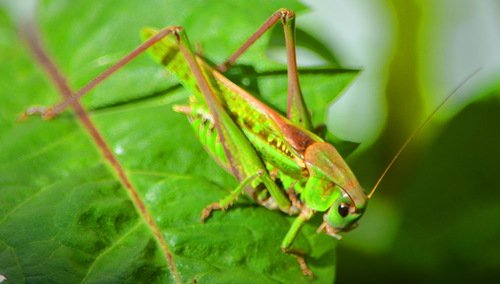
(297, 111)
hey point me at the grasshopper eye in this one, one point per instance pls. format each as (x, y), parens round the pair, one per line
(343, 209)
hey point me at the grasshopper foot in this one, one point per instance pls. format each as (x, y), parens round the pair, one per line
(303, 265)
(301, 260)
(207, 211)
(44, 112)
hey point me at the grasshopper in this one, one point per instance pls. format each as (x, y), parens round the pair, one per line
(279, 161)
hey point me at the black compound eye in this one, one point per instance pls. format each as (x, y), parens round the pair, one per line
(343, 209)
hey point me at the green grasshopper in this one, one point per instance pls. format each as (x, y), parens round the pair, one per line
(279, 161)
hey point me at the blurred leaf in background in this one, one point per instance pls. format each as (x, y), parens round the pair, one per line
(435, 217)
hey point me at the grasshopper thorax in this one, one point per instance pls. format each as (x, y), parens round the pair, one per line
(332, 187)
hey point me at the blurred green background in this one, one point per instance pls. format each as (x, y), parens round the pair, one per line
(436, 216)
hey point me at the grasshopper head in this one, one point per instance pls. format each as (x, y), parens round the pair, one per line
(342, 216)
(332, 187)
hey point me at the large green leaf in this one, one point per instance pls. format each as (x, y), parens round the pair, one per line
(64, 217)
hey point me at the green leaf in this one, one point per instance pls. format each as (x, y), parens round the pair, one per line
(65, 218)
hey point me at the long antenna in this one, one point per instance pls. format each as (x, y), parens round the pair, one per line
(417, 130)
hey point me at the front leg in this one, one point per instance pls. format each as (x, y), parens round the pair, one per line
(304, 216)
